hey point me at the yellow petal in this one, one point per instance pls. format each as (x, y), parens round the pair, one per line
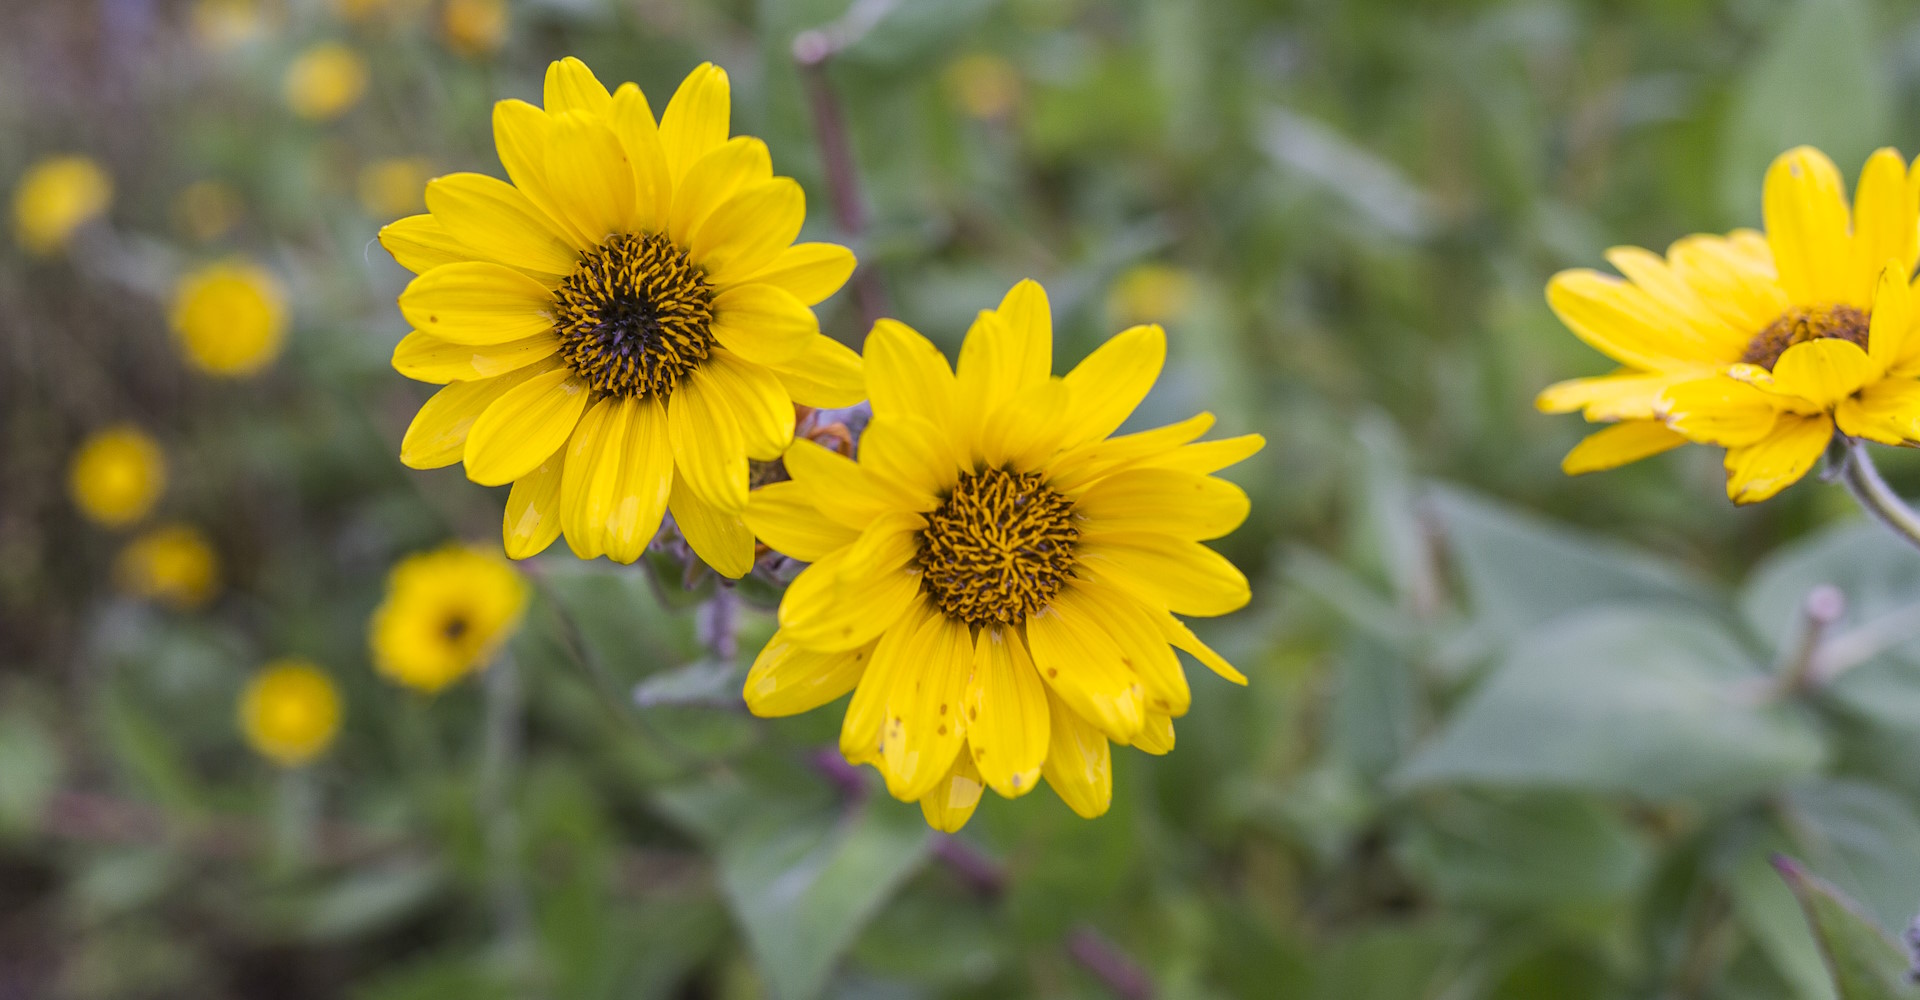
(1026, 430)
(1744, 292)
(811, 271)
(1076, 467)
(477, 303)
(1028, 318)
(438, 435)
(826, 374)
(532, 518)
(906, 374)
(1892, 318)
(1887, 411)
(589, 176)
(749, 230)
(757, 400)
(500, 224)
(1623, 322)
(787, 678)
(1617, 445)
(427, 358)
(571, 86)
(1006, 713)
(825, 609)
(1112, 381)
(696, 119)
(911, 452)
(1184, 640)
(1082, 665)
(421, 244)
(951, 802)
(1156, 737)
(1135, 629)
(721, 540)
(1695, 322)
(652, 186)
(619, 474)
(1184, 577)
(1208, 457)
(729, 167)
(1180, 504)
(1757, 471)
(524, 427)
(1886, 223)
(1720, 411)
(764, 324)
(987, 374)
(1806, 212)
(1079, 764)
(845, 491)
(860, 731)
(783, 516)
(1628, 395)
(925, 726)
(708, 448)
(1823, 371)
(523, 134)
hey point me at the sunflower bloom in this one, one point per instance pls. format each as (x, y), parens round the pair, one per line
(230, 318)
(1762, 344)
(117, 476)
(996, 578)
(56, 197)
(290, 712)
(173, 564)
(623, 327)
(445, 615)
(325, 82)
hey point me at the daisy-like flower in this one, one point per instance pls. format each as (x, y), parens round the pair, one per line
(996, 578)
(446, 614)
(117, 475)
(290, 712)
(624, 326)
(1763, 344)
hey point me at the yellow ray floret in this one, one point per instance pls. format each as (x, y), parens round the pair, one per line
(995, 578)
(445, 615)
(623, 327)
(1764, 345)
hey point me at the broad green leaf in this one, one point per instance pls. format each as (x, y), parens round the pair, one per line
(906, 34)
(1864, 839)
(1767, 911)
(1865, 963)
(372, 899)
(1514, 852)
(1658, 704)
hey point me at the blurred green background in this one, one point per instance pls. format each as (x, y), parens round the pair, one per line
(1509, 735)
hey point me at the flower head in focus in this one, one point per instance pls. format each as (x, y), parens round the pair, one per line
(117, 475)
(474, 27)
(230, 317)
(173, 564)
(446, 614)
(290, 712)
(325, 82)
(1762, 344)
(996, 577)
(625, 326)
(55, 197)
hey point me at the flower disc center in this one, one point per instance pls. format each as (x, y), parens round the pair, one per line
(998, 549)
(635, 316)
(1803, 323)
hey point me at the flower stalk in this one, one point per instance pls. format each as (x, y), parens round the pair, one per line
(1854, 467)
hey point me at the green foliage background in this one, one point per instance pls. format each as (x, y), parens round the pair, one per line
(1509, 735)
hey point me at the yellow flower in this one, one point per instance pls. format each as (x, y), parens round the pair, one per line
(1150, 293)
(173, 564)
(445, 615)
(231, 318)
(984, 86)
(1760, 344)
(57, 196)
(392, 187)
(625, 326)
(474, 27)
(325, 81)
(117, 475)
(225, 25)
(996, 578)
(290, 712)
(206, 210)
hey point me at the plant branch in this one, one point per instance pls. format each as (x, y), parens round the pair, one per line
(1855, 468)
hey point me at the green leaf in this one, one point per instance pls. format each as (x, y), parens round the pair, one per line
(1818, 80)
(1654, 703)
(30, 768)
(1866, 840)
(909, 33)
(1865, 963)
(372, 899)
(1523, 851)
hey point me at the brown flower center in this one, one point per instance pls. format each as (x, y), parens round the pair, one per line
(1801, 324)
(998, 549)
(635, 316)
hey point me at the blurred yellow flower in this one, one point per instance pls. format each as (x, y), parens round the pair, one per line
(1150, 293)
(625, 326)
(117, 475)
(446, 613)
(353, 11)
(391, 187)
(55, 197)
(207, 210)
(996, 578)
(231, 318)
(225, 25)
(173, 564)
(983, 85)
(325, 81)
(474, 27)
(1761, 344)
(290, 712)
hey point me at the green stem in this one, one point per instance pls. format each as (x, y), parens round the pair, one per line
(1874, 495)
